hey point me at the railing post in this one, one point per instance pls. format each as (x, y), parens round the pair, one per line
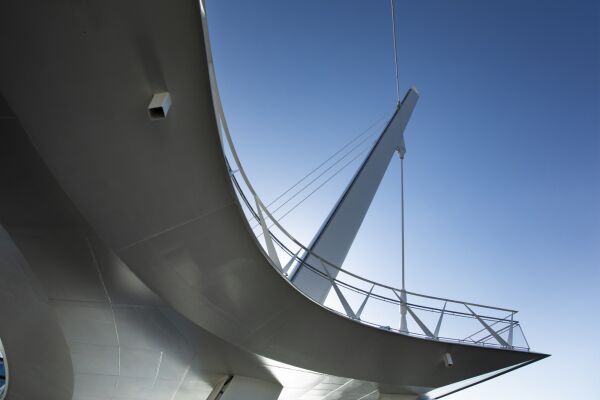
(404, 303)
(439, 323)
(267, 235)
(403, 310)
(291, 262)
(524, 338)
(510, 330)
(340, 295)
(362, 306)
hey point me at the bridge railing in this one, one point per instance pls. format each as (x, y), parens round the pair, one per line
(356, 297)
(381, 305)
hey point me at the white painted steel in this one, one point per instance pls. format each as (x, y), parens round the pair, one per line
(160, 194)
(245, 388)
(120, 339)
(34, 345)
(266, 235)
(159, 106)
(335, 237)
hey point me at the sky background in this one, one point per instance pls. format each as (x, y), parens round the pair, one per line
(502, 172)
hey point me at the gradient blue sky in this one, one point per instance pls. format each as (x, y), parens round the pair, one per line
(503, 162)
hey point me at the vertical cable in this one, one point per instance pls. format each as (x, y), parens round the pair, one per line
(392, 4)
(393, 7)
(402, 214)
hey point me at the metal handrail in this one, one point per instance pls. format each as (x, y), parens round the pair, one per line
(294, 257)
(494, 320)
(330, 264)
(269, 236)
(357, 289)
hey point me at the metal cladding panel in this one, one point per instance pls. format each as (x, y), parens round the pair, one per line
(244, 388)
(37, 356)
(335, 237)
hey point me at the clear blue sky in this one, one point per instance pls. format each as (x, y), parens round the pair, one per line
(503, 151)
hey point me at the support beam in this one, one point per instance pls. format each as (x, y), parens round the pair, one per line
(244, 388)
(492, 332)
(439, 323)
(390, 396)
(404, 307)
(364, 303)
(267, 235)
(336, 235)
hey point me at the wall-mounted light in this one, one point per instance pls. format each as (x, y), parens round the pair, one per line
(448, 362)
(159, 106)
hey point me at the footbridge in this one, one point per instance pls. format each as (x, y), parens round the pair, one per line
(130, 269)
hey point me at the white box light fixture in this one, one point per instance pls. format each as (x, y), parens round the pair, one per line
(159, 106)
(448, 362)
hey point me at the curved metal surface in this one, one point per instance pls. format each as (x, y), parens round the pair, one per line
(3, 372)
(119, 340)
(160, 195)
(34, 345)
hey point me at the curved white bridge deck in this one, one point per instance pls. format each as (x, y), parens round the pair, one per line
(160, 194)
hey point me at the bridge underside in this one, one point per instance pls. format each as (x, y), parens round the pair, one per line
(128, 268)
(94, 330)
